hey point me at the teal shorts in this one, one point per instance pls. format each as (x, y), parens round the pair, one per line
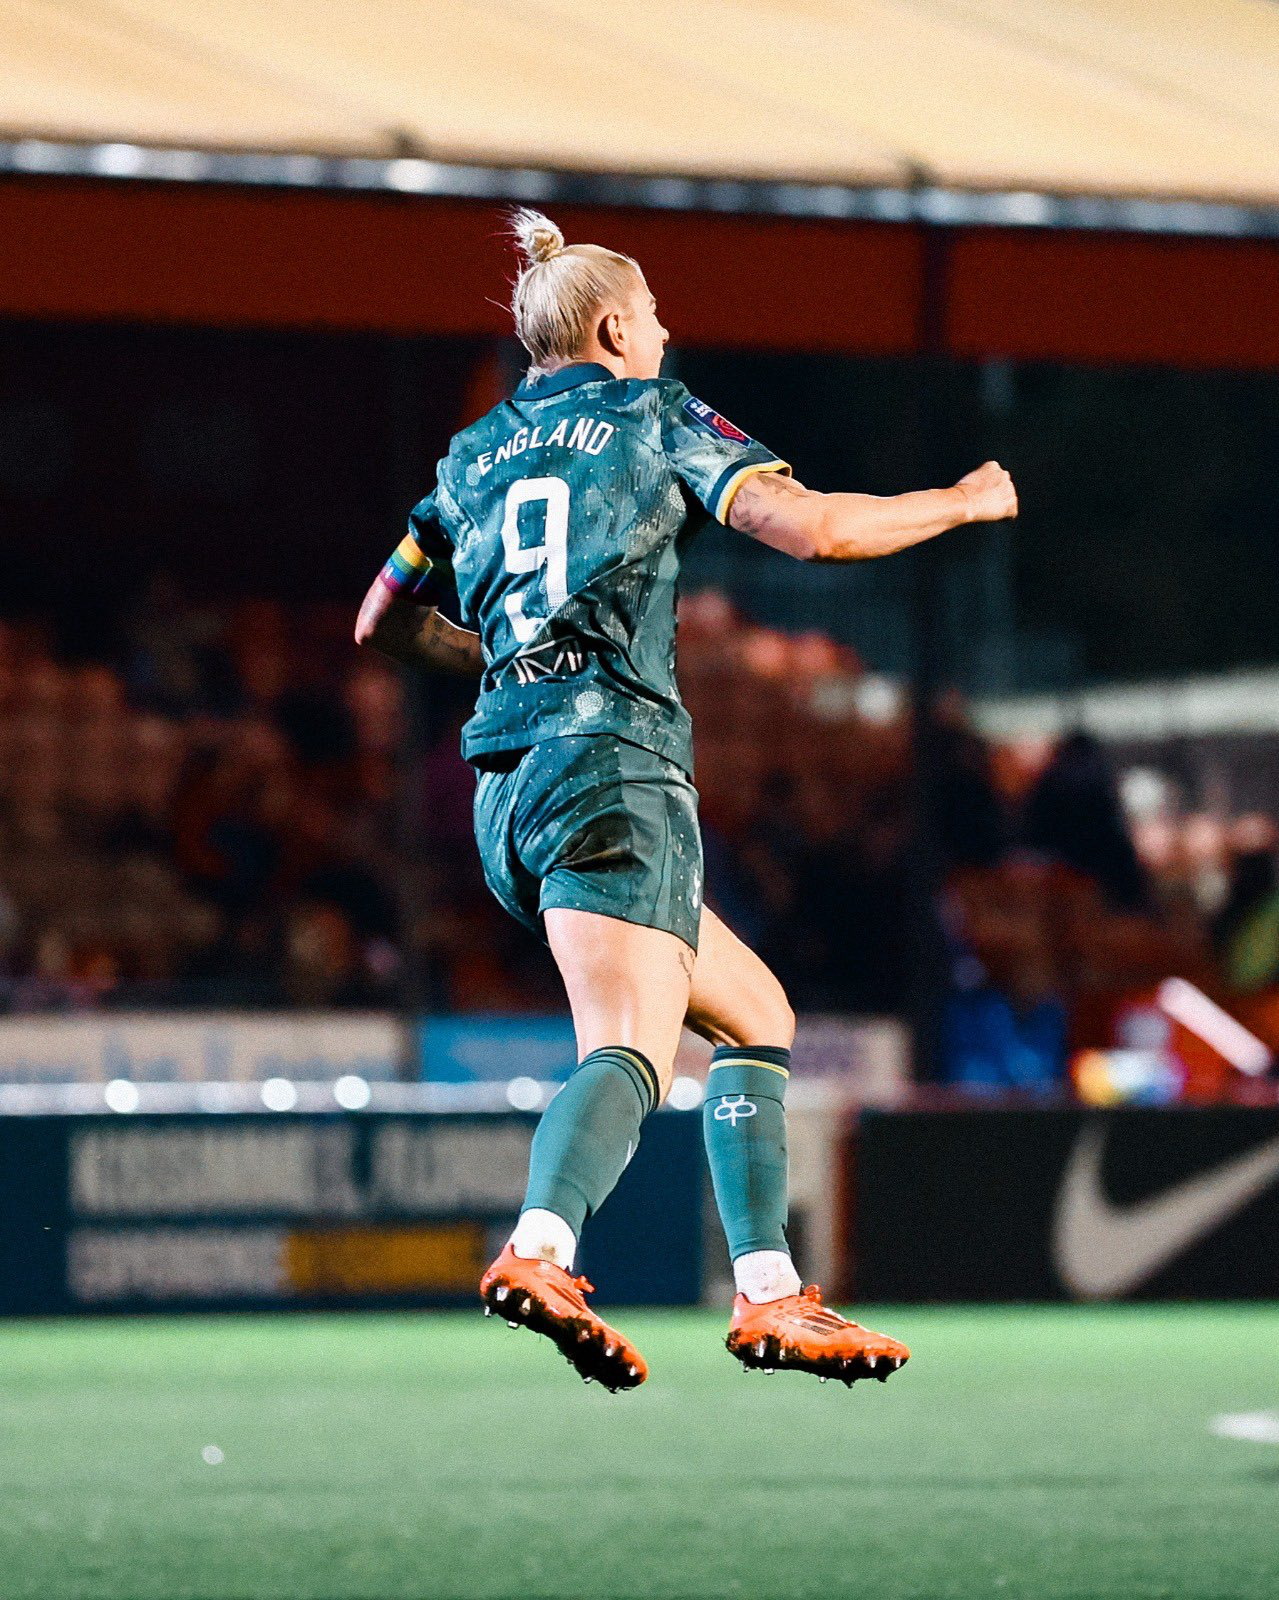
(589, 823)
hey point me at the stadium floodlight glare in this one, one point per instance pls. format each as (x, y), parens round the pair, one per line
(121, 1095)
(352, 1092)
(410, 175)
(119, 160)
(525, 1094)
(278, 1094)
(1144, 792)
(685, 1095)
(878, 699)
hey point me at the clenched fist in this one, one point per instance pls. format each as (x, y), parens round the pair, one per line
(990, 493)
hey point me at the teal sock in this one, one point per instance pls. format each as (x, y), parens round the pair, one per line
(744, 1125)
(588, 1133)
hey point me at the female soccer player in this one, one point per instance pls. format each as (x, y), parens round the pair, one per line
(561, 518)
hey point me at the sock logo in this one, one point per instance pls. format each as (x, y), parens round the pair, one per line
(733, 1107)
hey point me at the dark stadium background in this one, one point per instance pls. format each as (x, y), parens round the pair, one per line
(1002, 812)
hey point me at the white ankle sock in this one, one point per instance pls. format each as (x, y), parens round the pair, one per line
(763, 1275)
(542, 1236)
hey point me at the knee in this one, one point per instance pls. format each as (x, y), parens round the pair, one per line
(782, 1020)
(764, 1017)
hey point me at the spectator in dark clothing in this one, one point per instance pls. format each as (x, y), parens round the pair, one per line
(972, 830)
(1073, 814)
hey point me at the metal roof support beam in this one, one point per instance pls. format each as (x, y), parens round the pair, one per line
(925, 203)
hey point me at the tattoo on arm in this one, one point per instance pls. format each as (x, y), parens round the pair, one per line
(446, 647)
(850, 527)
(758, 498)
(778, 511)
(398, 628)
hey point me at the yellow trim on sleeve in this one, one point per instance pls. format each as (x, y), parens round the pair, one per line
(729, 492)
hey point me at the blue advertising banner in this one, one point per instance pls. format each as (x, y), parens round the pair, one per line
(132, 1213)
(488, 1047)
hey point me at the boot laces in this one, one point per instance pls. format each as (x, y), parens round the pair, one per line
(820, 1313)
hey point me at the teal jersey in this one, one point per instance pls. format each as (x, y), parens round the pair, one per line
(562, 516)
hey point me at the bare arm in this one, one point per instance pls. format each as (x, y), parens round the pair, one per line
(399, 628)
(857, 527)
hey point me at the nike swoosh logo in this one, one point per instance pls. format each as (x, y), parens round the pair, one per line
(1101, 1250)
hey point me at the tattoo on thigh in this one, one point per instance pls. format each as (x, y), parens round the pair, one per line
(686, 960)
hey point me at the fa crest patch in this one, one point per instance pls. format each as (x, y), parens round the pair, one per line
(701, 412)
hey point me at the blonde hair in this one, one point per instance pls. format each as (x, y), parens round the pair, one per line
(562, 288)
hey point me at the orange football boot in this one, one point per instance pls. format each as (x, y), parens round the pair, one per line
(800, 1334)
(542, 1296)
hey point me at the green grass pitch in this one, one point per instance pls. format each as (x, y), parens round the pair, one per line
(1052, 1454)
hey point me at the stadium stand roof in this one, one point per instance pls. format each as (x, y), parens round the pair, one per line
(1164, 98)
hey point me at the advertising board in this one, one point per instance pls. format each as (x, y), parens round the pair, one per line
(199, 1047)
(171, 1212)
(1066, 1204)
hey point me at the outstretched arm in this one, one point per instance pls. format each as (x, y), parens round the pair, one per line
(857, 527)
(405, 631)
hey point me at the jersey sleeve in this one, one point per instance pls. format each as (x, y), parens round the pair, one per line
(423, 559)
(709, 454)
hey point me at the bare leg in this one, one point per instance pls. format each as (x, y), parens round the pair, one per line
(626, 985)
(735, 999)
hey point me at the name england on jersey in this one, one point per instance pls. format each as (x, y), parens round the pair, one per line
(587, 434)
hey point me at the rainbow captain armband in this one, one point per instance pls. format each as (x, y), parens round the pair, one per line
(409, 569)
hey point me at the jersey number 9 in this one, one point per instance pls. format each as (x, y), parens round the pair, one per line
(552, 553)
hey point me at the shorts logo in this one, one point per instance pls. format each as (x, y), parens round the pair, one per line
(733, 1109)
(701, 412)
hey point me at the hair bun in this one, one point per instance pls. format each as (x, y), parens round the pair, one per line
(536, 236)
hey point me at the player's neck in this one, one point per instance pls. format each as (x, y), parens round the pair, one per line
(596, 356)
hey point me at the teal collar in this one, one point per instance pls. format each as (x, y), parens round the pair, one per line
(565, 378)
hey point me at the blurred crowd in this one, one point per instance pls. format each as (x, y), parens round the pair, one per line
(225, 813)
(208, 819)
(1068, 891)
